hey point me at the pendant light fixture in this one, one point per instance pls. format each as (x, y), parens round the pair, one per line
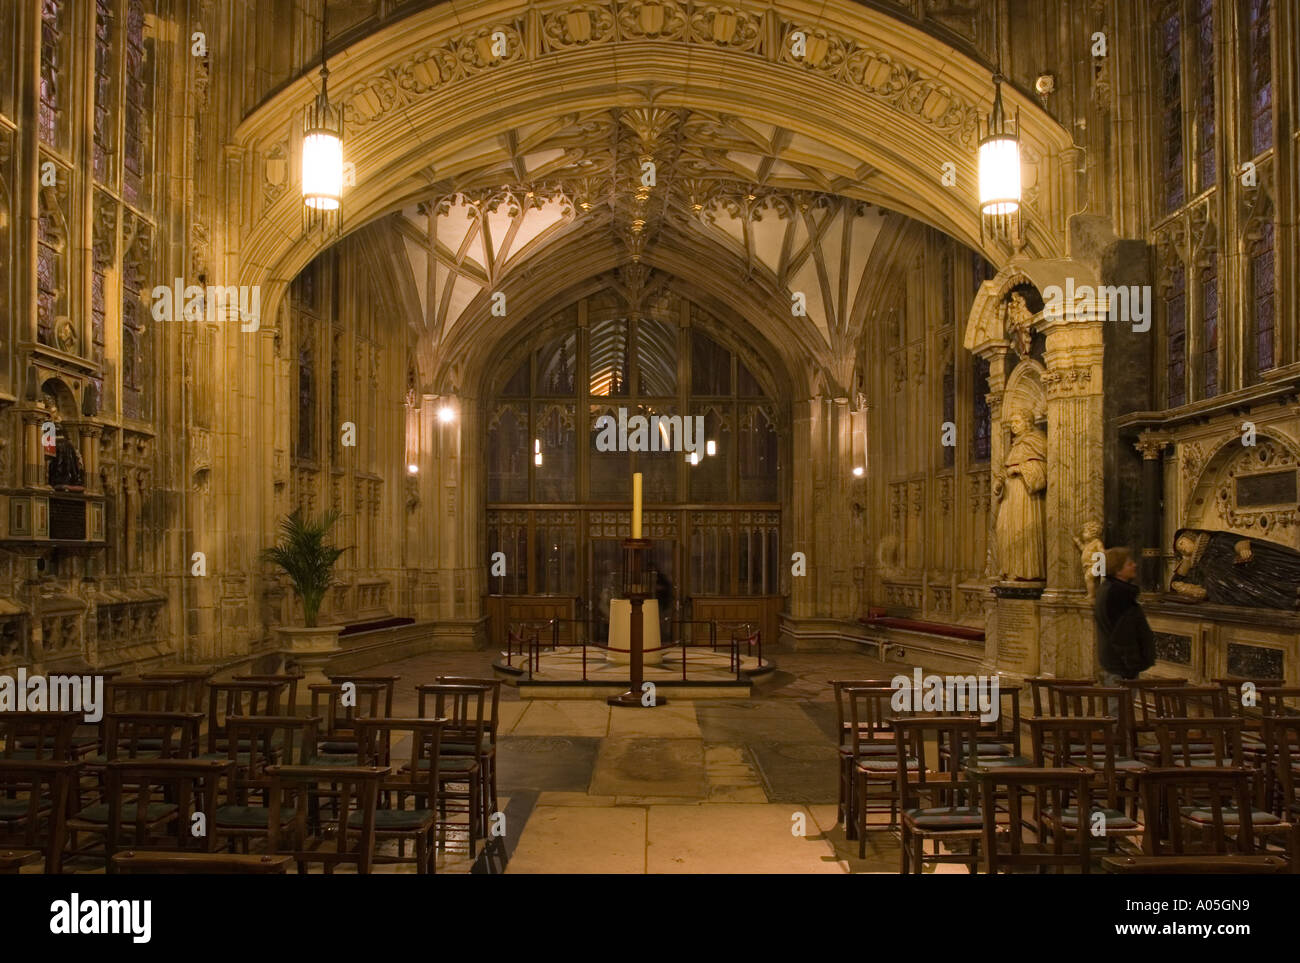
(999, 162)
(322, 156)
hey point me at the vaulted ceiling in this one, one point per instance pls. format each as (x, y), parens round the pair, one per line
(789, 212)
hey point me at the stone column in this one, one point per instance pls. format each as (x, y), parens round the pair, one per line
(1073, 384)
(1152, 446)
(90, 455)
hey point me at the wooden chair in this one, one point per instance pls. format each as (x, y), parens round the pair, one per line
(149, 735)
(418, 779)
(1055, 789)
(1214, 801)
(355, 790)
(463, 707)
(242, 699)
(190, 682)
(289, 697)
(38, 735)
(1274, 702)
(1144, 714)
(256, 744)
(1043, 692)
(154, 800)
(487, 753)
(1284, 748)
(338, 706)
(875, 744)
(144, 695)
(871, 717)
(35, 795)
(204, 864)
(1113, 702)
(999, 741)
(1089, 743)
(1208, 743)
(937, 805)
(388, 682)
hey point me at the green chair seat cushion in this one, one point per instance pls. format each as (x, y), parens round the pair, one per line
(250, 817)
(339, 760)
(999, 762)
(871, 749)
(1114, 818)
(885, 765)
(946, 817)
(155, 811)
(1205, 816)
(394, 820)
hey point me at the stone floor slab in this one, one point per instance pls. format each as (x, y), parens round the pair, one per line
(799, 773)
(650, 767)
(576, 717)
(674, 721)
(582, 839)
(731, 838)
(555, 763)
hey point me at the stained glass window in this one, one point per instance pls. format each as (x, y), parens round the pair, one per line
(949, 411)
(1206, 166)
(136, 114)
(51, 263)
(53, 72)
(1210, 327)
(306, 400)
(1176, 337)
(1171, 99)
(1263, 299)
(981, 436)
(1259, 70)
(104, 90)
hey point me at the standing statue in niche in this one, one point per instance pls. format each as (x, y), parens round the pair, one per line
(1020, 486)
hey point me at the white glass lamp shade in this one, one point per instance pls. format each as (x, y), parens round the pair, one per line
(999, 157)
(322, 169)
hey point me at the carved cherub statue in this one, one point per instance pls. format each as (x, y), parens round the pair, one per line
(1089, 543)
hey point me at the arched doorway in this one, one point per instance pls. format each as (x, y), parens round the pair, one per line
(556, 505)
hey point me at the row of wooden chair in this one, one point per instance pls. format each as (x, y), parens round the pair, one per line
(883, 764)
(46, 767)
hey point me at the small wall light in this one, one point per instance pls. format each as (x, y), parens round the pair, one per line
(859, 471)
(412, 469)
(710, 448)
(446, 414)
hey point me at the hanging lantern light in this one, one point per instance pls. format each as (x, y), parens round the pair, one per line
(322, 156)
(999, 167)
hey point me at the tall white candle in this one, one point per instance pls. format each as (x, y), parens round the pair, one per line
(636, 505)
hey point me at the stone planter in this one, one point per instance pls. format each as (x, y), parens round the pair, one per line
(309, 648)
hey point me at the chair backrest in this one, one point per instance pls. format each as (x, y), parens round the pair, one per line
(289, 698)
(1054, 789)
(189, 681)
(1284, 756)
(1207, 792)
(1192, 702)
(38, 735)
(1095, 702)
(841, 700)
(46, 787)
(463, 707)
(870, 712)
(959, 736)
(389, 683)
(189, 785)
(1079, 741)
(151, 735)
(243, 699)
(1201, 738)
(419, 770)
(145, 695)
(494, 714)
(1144, 699)
(340, 704)
(1043, 691)
(353, 789)
(1005, 726)
(258, 742)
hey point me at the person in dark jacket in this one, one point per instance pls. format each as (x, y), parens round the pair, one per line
(1125, 645)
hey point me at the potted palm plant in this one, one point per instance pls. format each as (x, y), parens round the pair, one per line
(308, 560)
